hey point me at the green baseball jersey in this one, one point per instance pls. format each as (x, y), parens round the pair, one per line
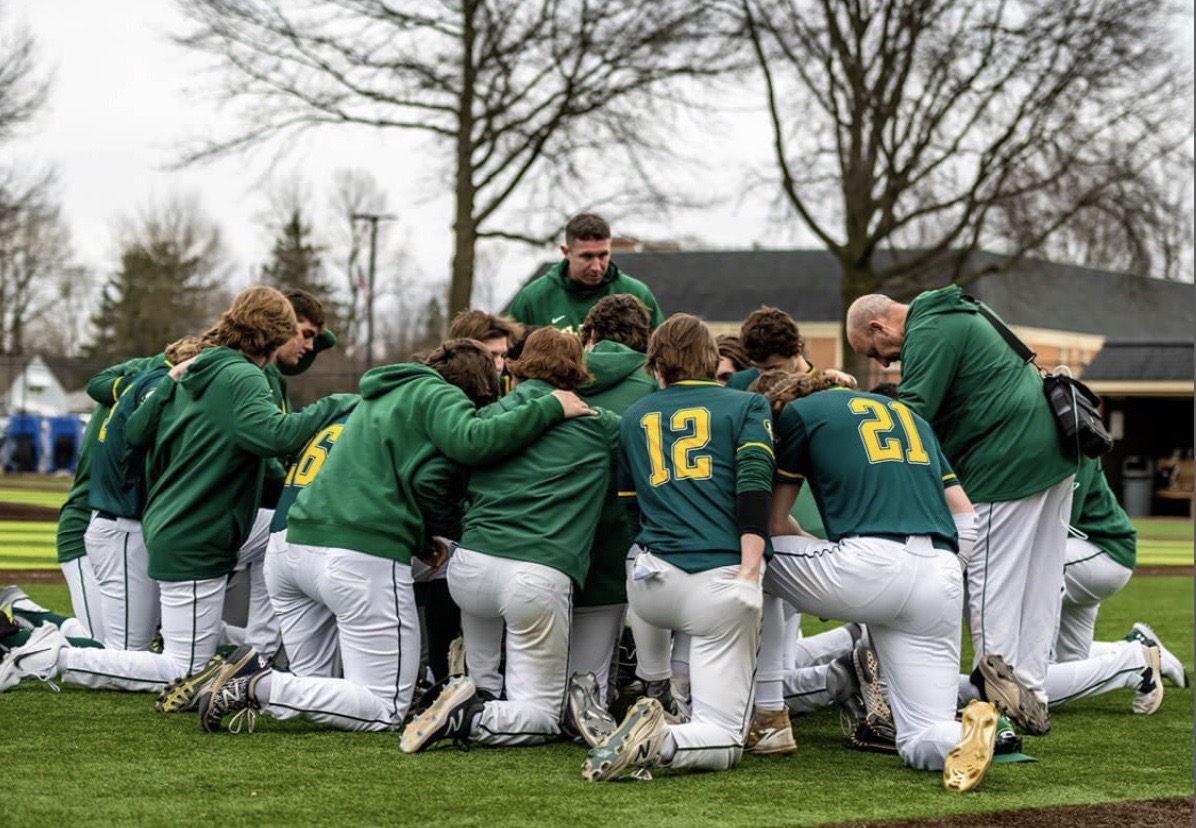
(118, 469)
(876, 468)
(741, 380)
(308, 462)
(1096, 512)
(685, 453)
(76, 511)
(75, 515)
(364, 497)
(985, 404)
(555, 299)
(542, 504)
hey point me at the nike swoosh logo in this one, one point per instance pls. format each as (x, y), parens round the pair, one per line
(16, 662)
(556, 319)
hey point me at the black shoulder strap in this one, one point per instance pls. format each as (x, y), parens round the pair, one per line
(1009, 336)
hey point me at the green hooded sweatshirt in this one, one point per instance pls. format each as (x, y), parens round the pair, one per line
(365, 496)
(555, 299)
(619, 381)
(986, 405)
(1096, 512)
(211, 431)
(543, 504)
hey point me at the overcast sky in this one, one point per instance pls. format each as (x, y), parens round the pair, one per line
(125, 98)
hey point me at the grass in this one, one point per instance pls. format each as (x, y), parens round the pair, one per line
(88, 757)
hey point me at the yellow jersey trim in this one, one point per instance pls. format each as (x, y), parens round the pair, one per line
(764, 446)
(791, 475)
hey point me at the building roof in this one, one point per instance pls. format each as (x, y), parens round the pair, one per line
(1142, 361)
(727, 285)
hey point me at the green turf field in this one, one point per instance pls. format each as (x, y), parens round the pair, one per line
(80, 757)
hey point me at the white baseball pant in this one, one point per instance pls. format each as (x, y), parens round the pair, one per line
(86, 601)
(595, 634)
(1015, 579)
(308, 627)
(191, 626)
(721, 615)
(378, 631)
(535, 603)
(911, 597)
(130, 598)
(1089, 577)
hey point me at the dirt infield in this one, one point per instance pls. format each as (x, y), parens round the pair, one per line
(1155, 813)
(27, 511)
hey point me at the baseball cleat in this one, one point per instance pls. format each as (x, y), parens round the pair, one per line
(872, 685)
(1172, 668)
(969, 761)
(1013, 699)
(636, 743)
(594, 722)
(231, 690)
(182, 693)
(662, 691)
(874, 734)
(450, 716)
(1148, 695)
(770, 734)
(844, 687)
(36, 658)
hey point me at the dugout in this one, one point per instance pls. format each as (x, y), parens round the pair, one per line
(23, 450)
(66, 438)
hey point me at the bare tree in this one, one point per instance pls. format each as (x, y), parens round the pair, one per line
(34, 251)
(61, 327)
(930, 128)
(23, 90)
(509, 92)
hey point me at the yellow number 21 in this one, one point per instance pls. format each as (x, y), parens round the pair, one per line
(878, 435)
(692, 429)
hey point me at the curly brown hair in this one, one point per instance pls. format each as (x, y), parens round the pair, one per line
(621, 318)
(466, 364)
(554, 356)
(682, 348)
(479, 325)
(770, 332)
(184, 348)
(259, 320)
(783, 387)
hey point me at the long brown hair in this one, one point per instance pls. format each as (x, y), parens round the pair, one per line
(554, 356)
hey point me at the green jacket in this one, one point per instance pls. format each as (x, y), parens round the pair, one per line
(555, 299)
(986, 405)
(365, 496)
(211, 431)
(1096, 512)
(619, 381)
(542, 505)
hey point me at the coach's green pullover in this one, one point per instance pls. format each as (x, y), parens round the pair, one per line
(542, 504)
(1096, 512)
(619, 381)
(213, 429)
(364, 498)
(555, 299)
(986, 405)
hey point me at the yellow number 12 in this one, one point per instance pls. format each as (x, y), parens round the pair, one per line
(686, 464)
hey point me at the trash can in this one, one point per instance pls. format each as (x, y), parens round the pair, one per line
(1137, 486)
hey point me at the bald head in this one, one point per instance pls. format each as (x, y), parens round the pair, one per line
(876, 327)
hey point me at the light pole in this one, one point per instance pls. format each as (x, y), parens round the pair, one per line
(373, 219)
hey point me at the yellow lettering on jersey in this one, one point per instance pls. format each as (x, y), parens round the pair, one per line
(880, 443)
(686, 464)
(305, 469)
